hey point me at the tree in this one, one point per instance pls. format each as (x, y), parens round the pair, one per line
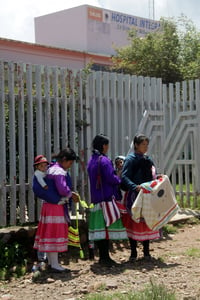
(172, 53)
(190, 49)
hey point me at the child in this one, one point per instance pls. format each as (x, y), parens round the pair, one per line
(119, 161)
(41, 164)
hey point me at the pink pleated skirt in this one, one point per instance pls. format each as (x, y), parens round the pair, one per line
(52, 231)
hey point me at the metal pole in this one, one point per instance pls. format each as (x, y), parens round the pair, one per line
(153, 11)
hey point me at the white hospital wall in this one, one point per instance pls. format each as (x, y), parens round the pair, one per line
(67, 29)
(90, 29)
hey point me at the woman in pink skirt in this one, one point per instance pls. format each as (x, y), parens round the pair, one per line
(137, 168)
(52, 233)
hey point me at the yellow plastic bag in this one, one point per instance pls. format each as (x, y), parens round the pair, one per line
(73, 236)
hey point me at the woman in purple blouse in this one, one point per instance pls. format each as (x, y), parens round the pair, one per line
(52, 232)
(104, 220)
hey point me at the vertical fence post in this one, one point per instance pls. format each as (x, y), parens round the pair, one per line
(30, 142)
(197, 138)
(12, 142)
(21, 141)
(3, 215)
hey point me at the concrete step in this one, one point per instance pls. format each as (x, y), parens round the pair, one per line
(185, 214)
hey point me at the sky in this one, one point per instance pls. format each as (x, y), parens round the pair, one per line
(17, 16)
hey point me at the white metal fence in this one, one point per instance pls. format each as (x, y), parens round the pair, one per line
(43, 109)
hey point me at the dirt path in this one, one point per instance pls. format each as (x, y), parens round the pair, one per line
(172, 267)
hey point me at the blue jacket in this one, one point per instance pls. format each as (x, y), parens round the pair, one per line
(137, 169)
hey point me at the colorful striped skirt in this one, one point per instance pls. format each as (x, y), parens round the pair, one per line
(98, 229)
(52, 231)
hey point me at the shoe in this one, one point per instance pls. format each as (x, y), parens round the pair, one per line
(48, 267)
(147, 257)
(114, 263)
(132, 259)
(108, 262)
(54, 270)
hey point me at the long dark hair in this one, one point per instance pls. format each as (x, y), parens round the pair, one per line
(138, 139)
(144, 164)
(99, 141)
(65, 154)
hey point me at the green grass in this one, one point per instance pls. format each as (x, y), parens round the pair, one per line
(193, 221)
(193, 252)
(173, 228)
(150, 292)
(169, 229)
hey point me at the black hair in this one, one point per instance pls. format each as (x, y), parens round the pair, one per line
(120, 157)
(138, 139)
(65, 154)
(99, 141)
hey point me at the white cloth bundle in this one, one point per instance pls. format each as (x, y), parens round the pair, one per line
(156, 203)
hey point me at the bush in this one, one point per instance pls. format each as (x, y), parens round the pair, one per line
(12, 260)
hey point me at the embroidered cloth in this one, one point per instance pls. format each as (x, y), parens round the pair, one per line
(156, 203)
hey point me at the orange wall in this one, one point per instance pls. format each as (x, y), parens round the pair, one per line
(17, 51)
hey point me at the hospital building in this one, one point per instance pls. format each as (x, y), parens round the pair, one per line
(76, 36)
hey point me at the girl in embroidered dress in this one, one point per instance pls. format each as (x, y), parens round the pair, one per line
(52, 233)
(104, 220)
(137, 168)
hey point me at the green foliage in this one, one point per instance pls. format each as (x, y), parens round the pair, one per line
(12, 260)
(172, 53)
(190, 48)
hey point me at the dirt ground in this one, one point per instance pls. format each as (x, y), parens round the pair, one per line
(172, 266)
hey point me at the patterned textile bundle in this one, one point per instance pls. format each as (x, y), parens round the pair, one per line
(156, 203)
(110, 211)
